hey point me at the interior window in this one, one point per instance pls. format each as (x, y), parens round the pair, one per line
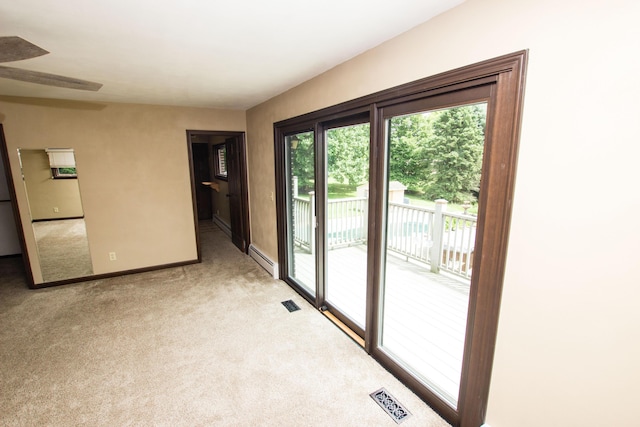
(220, 160)
(62, 162)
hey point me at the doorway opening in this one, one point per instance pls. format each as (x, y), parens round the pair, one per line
(12, 240)
(219, 183)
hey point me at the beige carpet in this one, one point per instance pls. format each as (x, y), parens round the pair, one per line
(204, 345)
(63, 249)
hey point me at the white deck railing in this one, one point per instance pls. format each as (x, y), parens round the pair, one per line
(443, 240)
(346, 222)
(458, 243)
(303, 214)
(410, 231)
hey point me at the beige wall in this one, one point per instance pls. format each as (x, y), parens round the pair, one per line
(134, 168)
(46, 194)
(567, 351)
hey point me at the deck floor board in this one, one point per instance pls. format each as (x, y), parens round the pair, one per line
(424, 317)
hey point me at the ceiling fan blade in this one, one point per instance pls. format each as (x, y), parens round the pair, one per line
(47, 79)
(14, 48)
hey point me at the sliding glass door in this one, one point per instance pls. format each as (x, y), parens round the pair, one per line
(429, 198)
(393, 219)
(301, 210)
(432, 182)
(346, 178)
(327, 216)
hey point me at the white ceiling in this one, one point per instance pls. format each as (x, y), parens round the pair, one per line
(203, 53)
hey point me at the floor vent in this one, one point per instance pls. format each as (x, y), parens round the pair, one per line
(390, 405)
(290, 305)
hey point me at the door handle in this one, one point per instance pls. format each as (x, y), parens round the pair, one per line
(228, 195)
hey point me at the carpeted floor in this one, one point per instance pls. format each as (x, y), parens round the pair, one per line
(208, 344)
(63, 249)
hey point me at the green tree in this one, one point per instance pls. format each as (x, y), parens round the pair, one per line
(406, 135)
(348, 154)
(302, 161)
(438, 154)
(454, 153)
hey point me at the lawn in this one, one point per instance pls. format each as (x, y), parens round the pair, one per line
(343, 191)
(340, 191)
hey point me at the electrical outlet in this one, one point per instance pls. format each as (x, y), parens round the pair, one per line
(56, 210)
(112, 256)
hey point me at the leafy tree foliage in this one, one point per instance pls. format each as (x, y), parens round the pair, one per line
(302, 161)
(406, 135)
(348, 154)
(453, 154)
(437, 154)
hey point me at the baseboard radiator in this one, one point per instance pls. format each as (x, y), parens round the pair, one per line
(264, 261)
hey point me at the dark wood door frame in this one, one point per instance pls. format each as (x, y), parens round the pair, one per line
(506, 77)
(243, 193)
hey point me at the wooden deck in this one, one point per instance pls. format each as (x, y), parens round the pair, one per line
(424, 315)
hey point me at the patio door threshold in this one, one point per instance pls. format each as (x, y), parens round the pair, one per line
(350, 333)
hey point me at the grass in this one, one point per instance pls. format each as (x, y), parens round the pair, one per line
(344, 191)
(451, 207)
(340, 191)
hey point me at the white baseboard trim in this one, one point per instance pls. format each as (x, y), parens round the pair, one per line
(264, 261)
(223, 225)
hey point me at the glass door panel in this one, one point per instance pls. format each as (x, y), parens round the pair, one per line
(301, 212)
(434, 167)
(347, 177)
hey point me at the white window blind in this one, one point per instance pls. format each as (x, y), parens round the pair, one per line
(61, 157)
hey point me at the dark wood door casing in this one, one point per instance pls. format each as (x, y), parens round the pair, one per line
(237, 180)
(505, 78)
